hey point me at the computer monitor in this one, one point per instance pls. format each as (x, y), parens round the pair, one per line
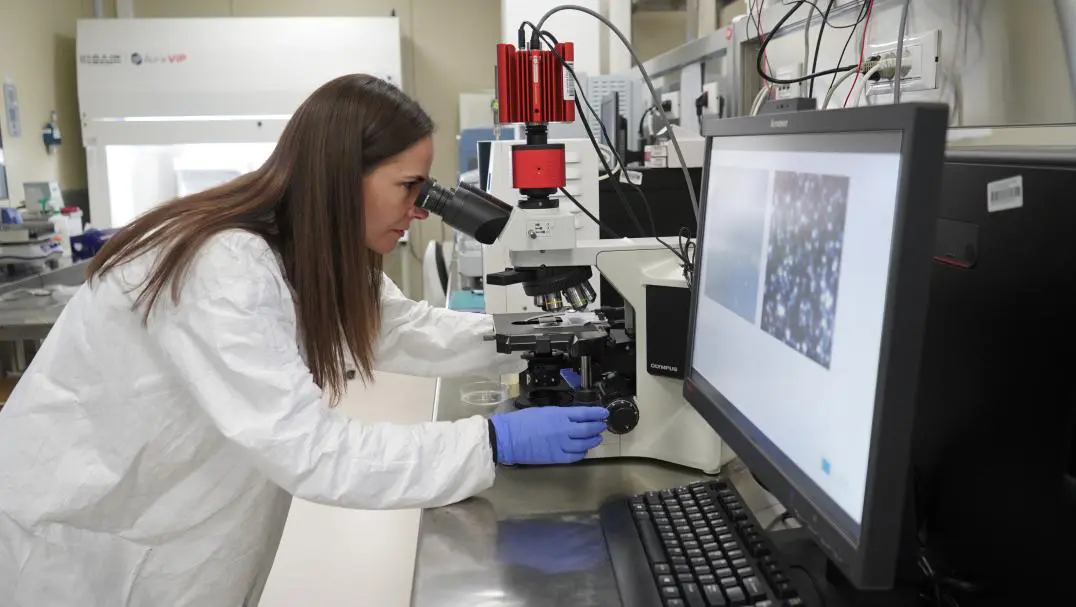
(808, 307)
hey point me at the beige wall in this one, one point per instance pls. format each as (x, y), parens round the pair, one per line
(655, 32)
(449, 48)
(37, 52)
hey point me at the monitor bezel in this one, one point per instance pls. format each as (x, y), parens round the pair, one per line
(871, 562)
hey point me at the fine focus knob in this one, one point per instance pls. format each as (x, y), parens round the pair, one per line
(623, 416)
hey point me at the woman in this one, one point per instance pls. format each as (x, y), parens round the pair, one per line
(149, 454)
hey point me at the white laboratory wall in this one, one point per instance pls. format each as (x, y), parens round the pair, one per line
(987, 58)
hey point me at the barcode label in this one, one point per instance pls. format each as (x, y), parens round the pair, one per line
(569, 82)
(1005, 195)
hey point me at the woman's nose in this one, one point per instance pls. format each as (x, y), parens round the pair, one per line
(419, 213)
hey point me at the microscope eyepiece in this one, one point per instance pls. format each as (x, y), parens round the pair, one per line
(467, 209)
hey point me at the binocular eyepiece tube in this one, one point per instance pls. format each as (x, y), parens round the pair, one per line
(467, 209)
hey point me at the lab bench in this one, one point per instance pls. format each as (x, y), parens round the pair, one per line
(534, 538)
(28, 312)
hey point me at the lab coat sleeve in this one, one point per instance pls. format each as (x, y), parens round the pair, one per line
(420, 339)
(231, 341)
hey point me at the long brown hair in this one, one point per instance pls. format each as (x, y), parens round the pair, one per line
(306, 201)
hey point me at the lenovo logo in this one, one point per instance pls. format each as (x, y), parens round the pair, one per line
(660, 367)
(779, 124)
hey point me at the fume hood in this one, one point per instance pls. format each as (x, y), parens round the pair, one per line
(175, 106)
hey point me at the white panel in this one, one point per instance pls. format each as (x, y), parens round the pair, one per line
(567, 26)
(224, 67)
(619, 12)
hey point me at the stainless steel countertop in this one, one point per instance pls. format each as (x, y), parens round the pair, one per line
(31, 316)
(534, 538)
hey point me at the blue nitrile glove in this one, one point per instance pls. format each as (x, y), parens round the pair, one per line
(548, 435)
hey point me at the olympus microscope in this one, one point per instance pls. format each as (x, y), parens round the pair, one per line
(630, 359)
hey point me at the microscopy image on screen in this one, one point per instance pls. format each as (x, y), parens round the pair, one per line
(803, 265)
(735, 234)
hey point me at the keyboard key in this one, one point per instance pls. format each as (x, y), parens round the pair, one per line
(690, 544)
(725, 537)
(794, 602)
(745, 572)
(685, 578)
(707, 578)
(699, 561)
(766, 604)
(678, 569)
(682, 529)
(724, 572)
(759, 550)
(719, 563)
(674, 603)
(662, 569)
(728, 582)
(664, 528)
(707, 538)
(753, 588)
(784, 590)
(692, 596)
(703, 570)
(736, 597)
(735, 554)
(738, 514)
(737, 563)
(729, 546)
(721, 529)
(694, 553)
(714, 596)
(678, 560)
(638, 507)
(666, 580)
(711, 547)
(670, 592)
(695, 516)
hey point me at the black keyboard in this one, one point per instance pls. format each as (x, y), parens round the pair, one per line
(693, 546)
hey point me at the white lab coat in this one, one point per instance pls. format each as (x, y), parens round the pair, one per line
(155, 466)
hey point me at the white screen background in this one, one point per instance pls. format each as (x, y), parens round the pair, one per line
(812, 414)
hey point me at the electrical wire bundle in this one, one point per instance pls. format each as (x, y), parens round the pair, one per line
(685, 250)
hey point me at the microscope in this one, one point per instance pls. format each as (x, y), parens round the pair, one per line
(630, 359)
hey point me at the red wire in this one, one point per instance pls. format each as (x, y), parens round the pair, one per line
(862, 52)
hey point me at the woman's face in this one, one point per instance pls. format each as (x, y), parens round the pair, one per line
(389, 193)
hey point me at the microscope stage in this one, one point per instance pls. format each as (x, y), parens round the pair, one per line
(524, 332)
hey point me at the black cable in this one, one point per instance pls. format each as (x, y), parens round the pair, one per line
(589, 214)
(613, 176)
(642, 120)
(859, 19)
(825, 16)
(818, 42)
(814, 583)
(762, 52)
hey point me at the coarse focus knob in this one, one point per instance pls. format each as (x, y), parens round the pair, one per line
(623, 415)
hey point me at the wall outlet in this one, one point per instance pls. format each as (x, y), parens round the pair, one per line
(789, 72)
(712, 92)
(673, 98)
(921, 58)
